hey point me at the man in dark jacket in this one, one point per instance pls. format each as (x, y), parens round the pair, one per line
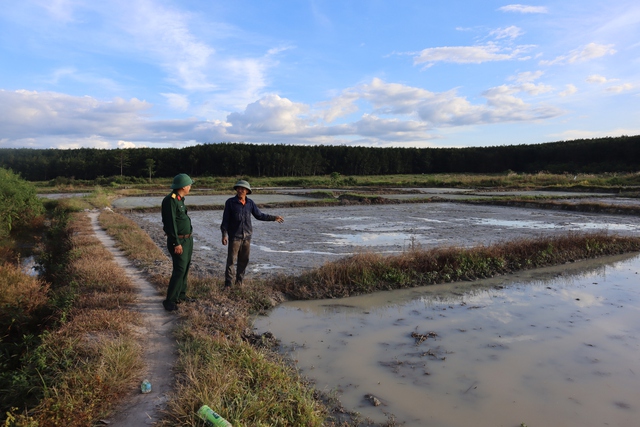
(177, 227)
(236, 230)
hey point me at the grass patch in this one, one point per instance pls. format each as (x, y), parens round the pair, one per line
(133, 241)
(370, 272)
(246, 385)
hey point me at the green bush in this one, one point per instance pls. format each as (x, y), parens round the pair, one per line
(19, 203)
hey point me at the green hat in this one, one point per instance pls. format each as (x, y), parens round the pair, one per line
(181, 180)
(243, 183)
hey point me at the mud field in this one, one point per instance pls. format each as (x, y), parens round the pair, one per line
(312, 236)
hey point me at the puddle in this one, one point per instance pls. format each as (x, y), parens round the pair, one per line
(548, 347)
(370, 239)
(546, 225)
(29, 266)
(304, 251)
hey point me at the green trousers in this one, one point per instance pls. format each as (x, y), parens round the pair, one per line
(177, 290)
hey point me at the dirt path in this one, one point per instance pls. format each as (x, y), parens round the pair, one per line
(160, 346)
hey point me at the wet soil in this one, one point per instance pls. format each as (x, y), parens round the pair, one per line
(311, 236)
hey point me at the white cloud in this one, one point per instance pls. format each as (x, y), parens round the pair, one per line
(67, 121)
(527, 76)
(448, 109)
(590, 51)
(534, 89)
(271, 114)
(31, 114)
(392, 112)
(60, 75)
(60, 10)
(339, 106)
(177, 101)
(569, 90)
(521, 8)
(391, 129)
(468, 54)
(620, 88)
(185, 48)
(126, 144)
(165, 33)
(511, 32)
(595, 78)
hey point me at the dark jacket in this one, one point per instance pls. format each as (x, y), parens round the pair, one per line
(175, 220)
(236, 218)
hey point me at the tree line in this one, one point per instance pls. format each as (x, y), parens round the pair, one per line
(620, 154)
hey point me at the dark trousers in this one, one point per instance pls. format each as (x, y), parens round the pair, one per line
(177, 290)
(238, 251)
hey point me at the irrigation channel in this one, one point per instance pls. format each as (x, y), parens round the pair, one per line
(555, 346)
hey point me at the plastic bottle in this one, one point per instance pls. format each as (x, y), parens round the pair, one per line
(211, 418)
(145, 387)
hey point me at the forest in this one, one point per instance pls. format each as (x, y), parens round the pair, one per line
(619, 154)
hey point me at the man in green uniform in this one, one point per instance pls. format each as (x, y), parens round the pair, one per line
(177, 227)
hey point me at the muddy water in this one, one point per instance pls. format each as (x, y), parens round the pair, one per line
(552, 347)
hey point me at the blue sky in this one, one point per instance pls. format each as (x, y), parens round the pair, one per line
(149, 73)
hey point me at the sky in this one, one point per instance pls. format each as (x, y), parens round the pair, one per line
(375, 73)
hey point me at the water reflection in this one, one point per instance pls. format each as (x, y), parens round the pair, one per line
(547, 225)
(556, 346)
(29, 266)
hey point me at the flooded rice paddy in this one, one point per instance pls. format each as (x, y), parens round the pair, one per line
(311, 236)
(549, 347)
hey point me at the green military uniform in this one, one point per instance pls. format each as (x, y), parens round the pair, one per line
(177, 227)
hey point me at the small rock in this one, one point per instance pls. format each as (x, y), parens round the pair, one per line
(374, 400)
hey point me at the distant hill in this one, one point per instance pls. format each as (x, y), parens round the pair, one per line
(620, 154)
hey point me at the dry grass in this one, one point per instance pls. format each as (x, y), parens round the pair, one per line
(93, 373)
(20, 292)
(246, 385)
(135, 243)
(369, 272)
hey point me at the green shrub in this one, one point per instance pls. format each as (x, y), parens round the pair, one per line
(19, 203)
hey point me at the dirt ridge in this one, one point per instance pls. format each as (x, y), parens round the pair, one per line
(159, 345)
